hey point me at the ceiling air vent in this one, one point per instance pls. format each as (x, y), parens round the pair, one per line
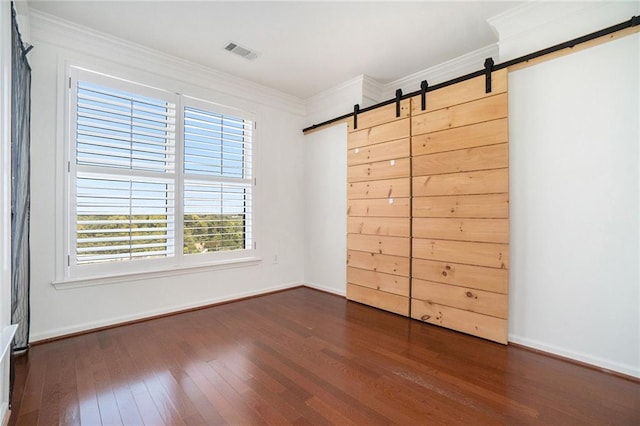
(241, 51)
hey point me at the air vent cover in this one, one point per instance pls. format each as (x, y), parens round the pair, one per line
(241, 51)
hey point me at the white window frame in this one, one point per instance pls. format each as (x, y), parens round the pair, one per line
(74, 275)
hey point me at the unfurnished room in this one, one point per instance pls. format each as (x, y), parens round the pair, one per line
(319, 212)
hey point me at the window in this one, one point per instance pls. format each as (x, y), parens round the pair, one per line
(155, 179)
(217, 182)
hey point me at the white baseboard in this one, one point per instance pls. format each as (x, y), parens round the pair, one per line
(62, 331)
(326, 289)
(578, 356)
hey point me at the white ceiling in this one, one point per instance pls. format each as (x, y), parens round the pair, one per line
(305, 47)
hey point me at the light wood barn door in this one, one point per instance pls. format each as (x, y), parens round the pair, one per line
(379, 209)
(460, 208)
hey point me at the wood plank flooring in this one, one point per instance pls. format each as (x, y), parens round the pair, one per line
(306, 357)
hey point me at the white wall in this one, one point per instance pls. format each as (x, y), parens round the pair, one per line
(280, 203)
(325, 181)
(573, 121)
(574, 282)
(5, 194)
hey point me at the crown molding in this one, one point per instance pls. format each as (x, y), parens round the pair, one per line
(372, 91)
(537, 25)
(456, 67)
(528, 16)
(48, 29)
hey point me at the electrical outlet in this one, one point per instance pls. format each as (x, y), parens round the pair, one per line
(275, 259)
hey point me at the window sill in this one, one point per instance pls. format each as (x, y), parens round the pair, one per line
(78, 282)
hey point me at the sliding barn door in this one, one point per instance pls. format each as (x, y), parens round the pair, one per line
(460, 228)
(379, 209)
(428, 208)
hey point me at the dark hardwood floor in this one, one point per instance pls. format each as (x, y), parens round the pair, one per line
(306, 357)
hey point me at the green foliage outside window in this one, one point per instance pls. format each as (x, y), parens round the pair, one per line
(120, 234)
(213, 232)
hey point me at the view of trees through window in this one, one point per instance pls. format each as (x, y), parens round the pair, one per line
(211, 232)
(126, 237)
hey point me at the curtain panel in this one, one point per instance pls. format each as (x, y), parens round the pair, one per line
(20, 187)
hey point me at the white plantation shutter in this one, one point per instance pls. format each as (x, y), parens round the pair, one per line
(217, 181)
(155, 179)
(118, 129)
(122, 218)
(125, 148)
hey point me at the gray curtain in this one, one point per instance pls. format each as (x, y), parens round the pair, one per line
(20, 187)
